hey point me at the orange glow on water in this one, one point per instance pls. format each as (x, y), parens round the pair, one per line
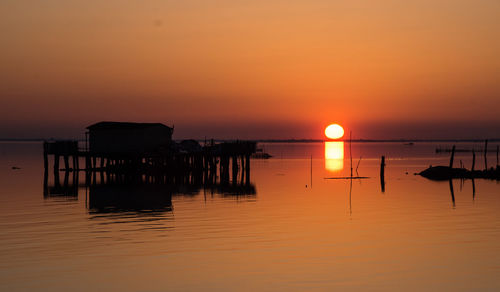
(334, 156)
(334, 131)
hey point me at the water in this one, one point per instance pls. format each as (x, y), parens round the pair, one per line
(297, 232)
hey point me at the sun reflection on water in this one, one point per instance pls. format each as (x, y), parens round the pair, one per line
(334, 156)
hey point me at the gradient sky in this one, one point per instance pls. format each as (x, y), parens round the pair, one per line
(252, 69)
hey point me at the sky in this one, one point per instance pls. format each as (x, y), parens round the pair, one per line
(252, 69)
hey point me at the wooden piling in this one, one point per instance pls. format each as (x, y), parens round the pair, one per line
(452, 156)
(497, 154)
(45, 157)
(485, 154)
(473, 160)
(382, 174)
(87, 162)
(66, 162)
(235, 168)
(56, 163)
(247, 169)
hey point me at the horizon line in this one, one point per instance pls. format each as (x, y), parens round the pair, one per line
(289, 140)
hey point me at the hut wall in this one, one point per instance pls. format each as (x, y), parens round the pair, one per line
(132, 140)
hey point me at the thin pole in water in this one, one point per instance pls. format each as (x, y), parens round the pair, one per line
(452, 156)
(473, 160)
(382, 174)
(497, 154)
(485, 154)
(350, 148)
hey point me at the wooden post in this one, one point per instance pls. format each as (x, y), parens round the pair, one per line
(235, 168)
(56, 162)
(247, 169)
(45, 158)
(87, 162)
(485, 154)
(350, 149)
(382, 174)
(452, 156)
(497, 154)
(66, 162)
(473, 160)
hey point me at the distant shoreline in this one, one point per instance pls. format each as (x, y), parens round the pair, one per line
(295, 140)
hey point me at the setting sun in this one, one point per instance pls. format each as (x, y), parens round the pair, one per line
(334, 131)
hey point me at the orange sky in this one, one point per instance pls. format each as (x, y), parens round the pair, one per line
(252, 69)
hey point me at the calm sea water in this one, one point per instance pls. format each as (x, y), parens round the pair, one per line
(296, 232)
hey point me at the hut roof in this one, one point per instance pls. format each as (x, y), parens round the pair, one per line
(124, 125)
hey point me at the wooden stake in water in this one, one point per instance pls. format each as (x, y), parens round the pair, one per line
(350, 148)
(485, 154)
(452, 156)
(497, 154)
(382, 174)
(473, 160)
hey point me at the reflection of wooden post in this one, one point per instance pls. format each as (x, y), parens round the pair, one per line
(235, 168)
(45, 182)
(56, 163)
(452, 156)
(247, 169)
(473, 188)
(382, 174)
(452, 193)
(66, 179)
(485, 154)
(45, 158)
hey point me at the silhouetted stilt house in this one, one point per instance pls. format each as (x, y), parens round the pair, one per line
(146, 151)
(117, 138)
